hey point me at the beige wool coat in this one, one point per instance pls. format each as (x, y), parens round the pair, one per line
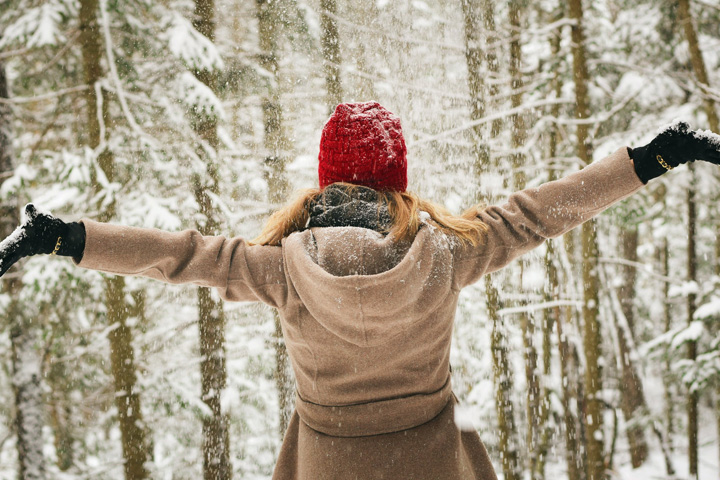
(368, 321)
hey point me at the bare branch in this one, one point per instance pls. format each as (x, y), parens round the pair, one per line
(57, 56)
(641, 267)
(397, 38)
(494, 116)
(14, 53)
(43, 97)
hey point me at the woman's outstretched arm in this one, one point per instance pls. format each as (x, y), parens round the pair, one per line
(238, 271)
(535, 214)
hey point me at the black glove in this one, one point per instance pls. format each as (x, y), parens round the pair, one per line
(41, 233)
(675, 145)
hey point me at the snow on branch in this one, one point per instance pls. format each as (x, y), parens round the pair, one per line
(640, 267)
(675, 338)
(539, 306)
(114, 72)
(191, 46)
(708, 310)
(691, 333)
(38, 26)
(199, 97)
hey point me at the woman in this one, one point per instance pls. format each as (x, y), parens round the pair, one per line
(366, 278)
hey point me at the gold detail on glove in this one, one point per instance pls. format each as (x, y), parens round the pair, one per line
(57, 246)
(662, 162)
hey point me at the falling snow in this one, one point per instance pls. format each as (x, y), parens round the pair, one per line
(267, 101)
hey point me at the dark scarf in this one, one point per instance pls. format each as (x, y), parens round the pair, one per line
(342, 206)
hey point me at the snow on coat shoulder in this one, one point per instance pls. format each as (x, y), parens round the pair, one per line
(382, 284)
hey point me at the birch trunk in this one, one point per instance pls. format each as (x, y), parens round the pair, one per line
(127, 400)
(211, 315)
(26, 354)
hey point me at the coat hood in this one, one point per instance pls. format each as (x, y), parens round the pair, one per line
(363, 286)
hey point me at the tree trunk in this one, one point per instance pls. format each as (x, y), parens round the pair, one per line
(127, 400)
(573, 455)
(24, 330)
(216, 435)
(518, 136)
(698, 64)
(62, 420)
(474, 57)
(29, 405)
(283, 376)
(502, 373)
(717, 414)
(591, 284)
(366, 15)
(211, 316)
(552, 316)
(632, 397)
(331, 53)
(491, 39)
(693, 397)
(669, 400)
(276, 147)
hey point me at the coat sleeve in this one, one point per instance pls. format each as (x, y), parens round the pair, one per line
(238, 271)
(530, 216)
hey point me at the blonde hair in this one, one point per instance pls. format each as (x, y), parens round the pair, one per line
(404, 208)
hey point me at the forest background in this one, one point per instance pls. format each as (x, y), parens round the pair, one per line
(598, 355)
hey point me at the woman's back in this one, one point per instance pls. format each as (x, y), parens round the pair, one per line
(370, 338)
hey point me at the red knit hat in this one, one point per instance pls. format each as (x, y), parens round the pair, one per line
(363, 144)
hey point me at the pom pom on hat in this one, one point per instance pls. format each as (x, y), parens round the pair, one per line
(363, 144)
